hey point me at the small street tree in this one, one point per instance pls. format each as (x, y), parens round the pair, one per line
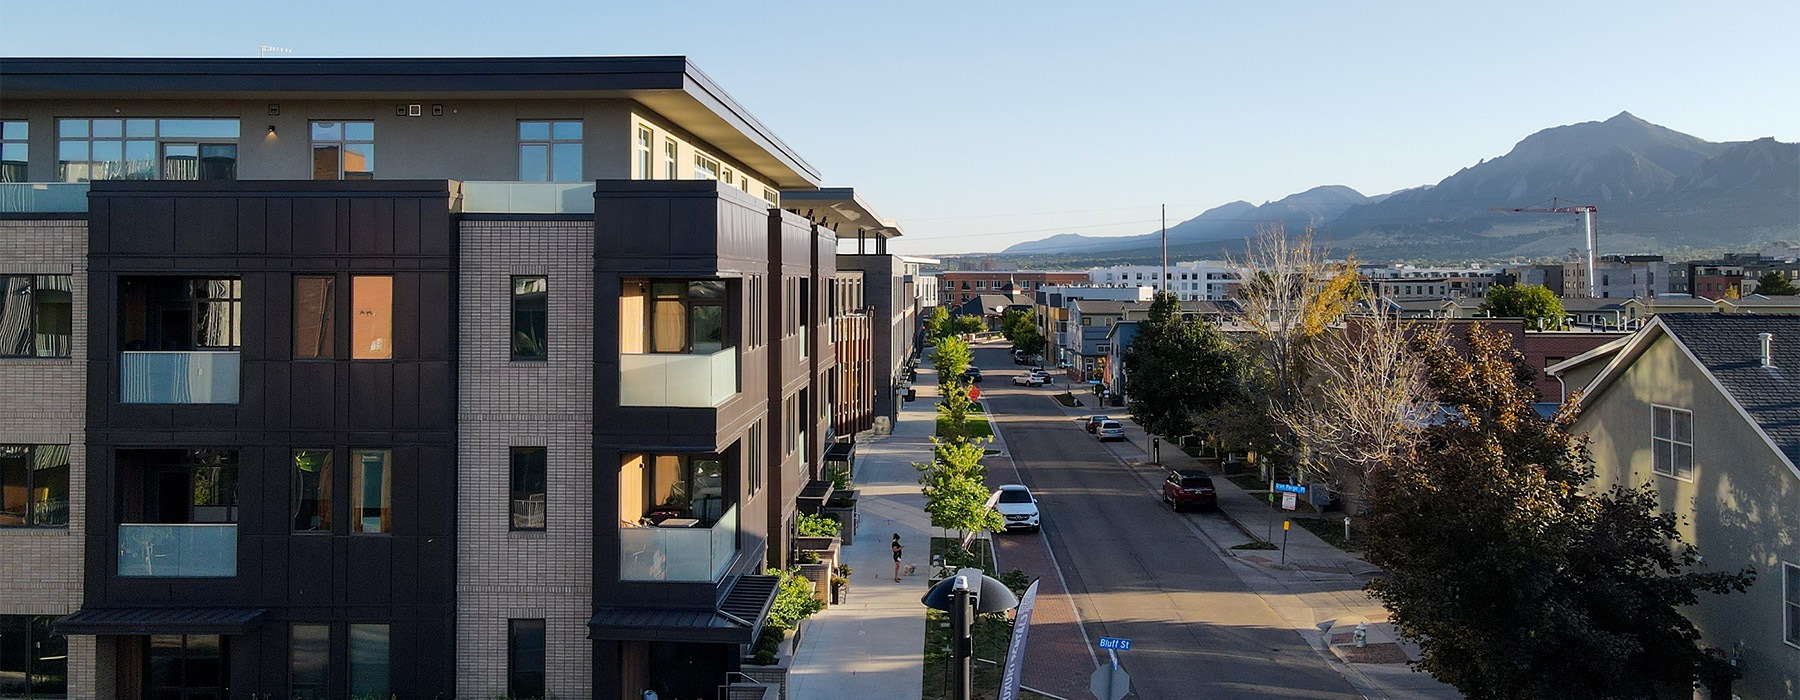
(1772, 284)
(955, 409)
(1516, 580)
(955, 488)
(937, 323)
(1540, 307)
(1021, 329)
(951, 358)
(1176, 368)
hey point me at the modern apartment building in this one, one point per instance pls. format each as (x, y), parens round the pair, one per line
(1193, 280)
(424, 377)
(1621, 277)
(958, 287)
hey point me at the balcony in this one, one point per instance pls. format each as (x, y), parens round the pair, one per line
(178, 551)
(178, 377)
(678, 380)
(528, 197)
(43, 198)
(677, 550)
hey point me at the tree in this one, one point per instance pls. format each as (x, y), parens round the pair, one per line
(1773, 284)
(961, 324)
(937, 324)
(955, 488)
(1175, 368)
(955, 409)
(1540, 307)
(951, 358)
(1515, 580)
(1014, 322)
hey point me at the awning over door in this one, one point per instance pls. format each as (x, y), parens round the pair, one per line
(136, 621)
(736, 619)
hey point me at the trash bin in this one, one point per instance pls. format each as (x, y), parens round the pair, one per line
(912, 394)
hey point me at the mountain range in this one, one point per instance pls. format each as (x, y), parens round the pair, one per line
(1656, 190)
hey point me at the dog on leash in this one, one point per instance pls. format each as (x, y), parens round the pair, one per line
(909, 570)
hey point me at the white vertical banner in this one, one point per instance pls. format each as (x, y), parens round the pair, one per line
(1015, 652)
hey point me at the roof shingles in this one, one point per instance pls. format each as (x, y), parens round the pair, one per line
(1728, 347)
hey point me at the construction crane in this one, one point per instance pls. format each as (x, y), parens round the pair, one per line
(1587, 212)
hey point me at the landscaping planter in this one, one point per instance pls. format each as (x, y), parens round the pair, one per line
(820, 575)
(842, 507)
(813, 496)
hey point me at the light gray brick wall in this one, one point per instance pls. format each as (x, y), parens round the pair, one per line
(504, 575)
(46, 405)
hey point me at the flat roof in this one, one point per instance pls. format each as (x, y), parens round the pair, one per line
(670, 85)
(842, 210)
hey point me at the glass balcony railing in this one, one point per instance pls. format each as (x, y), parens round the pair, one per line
(690, 381)
(678, 553)
(43, 198)
(178, 377)
(178, 551)
(528, 197)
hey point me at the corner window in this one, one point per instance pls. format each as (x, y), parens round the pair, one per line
(309, 661)
(372, 318)
(146, 149)
(530, 318)
(525, 659)
(646, 169)
(1672, 442)
(343, 150)
(369, 660)
(371, 491)
(34, 485)
(15, 151)
(654, 488)
(550, 151)
(315, 317)
(36, 315)
(34, 660)
(682, 317)
(312, 491)
(529, 488)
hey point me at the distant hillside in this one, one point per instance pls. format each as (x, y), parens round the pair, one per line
(1656, 189)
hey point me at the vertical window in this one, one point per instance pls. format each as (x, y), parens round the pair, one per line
(33, 659)
(530, 318)
(34, 485)
(1790, 574)
(369, 661)
(343, 150)
(529, 488)
(645, 164)
(525, 659)
(705, 167)
(729, 177)
(146, 149)
(687, 317)
(36, 315)
(550, 151)
(1672, 442)
(371, 491)
(312, 491)
(15, 151)
(217, 312)
(309, 661)
(753, 310)
(670, 149)
(372, 318)
(315, 304)
(753, 457)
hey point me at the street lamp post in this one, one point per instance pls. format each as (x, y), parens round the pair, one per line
(963, 596)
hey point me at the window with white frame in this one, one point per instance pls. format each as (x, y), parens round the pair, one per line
(670, 170)
(646, 163)
(1672, 442)
(1790, 573)
(705, 167)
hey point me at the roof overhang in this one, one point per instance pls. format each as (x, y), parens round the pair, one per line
(841, 210)
(737, 619)
(670, 85)
(141, 621)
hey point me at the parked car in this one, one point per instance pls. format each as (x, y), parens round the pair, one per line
(972, 375)
(1110, 430)
(1019, 507)
(1189, 487)
(1028, 380)
(1042, 375)
(1093, 422)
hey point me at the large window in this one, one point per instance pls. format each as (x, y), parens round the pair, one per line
(370, 661)
(15, 151)
(655, 488)
(646, 169)
(705, 167)
(181, 314)
(312, 491)
(372, 318)
(550, 151)
(1672, 442)
(343, 150)
(525, 659)
(36, 315)
(529, 487)
(687, 317)
(371, 491)
(309, 661)
(315, 317)
(530, 318)
(34, 485)
(146, 149)
(670, 149)
(34, 661)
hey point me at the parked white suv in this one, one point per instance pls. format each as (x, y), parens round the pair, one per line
(1018, 506)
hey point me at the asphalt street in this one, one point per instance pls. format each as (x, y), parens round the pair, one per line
(1136, 571)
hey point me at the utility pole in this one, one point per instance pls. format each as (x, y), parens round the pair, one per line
(1165, 248)
(1587, 212)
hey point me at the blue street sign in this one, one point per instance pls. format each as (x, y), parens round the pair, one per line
(1290, 488)
(1115, 643)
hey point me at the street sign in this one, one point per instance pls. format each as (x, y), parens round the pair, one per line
(1115, 643)
(1289, 488)
(1110, 682)
(1289, 500)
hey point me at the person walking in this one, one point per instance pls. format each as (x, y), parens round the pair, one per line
(898, 553)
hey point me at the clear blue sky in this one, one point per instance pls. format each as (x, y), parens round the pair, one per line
(981, 124)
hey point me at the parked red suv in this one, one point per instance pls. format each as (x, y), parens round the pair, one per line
(1189, 487)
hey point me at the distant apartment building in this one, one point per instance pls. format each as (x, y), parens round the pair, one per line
(1547, 276)
(519, 408)
(1202, 280)
(1051, 307)
(958, 287)
(1620, 277)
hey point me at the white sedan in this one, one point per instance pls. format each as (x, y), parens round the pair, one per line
(1029, 380)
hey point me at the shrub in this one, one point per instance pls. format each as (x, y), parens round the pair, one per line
(768, 645)
(818, 526)
(794, 599)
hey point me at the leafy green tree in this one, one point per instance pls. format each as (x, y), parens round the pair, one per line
(1029, 340)
(1515, 579)
(1014, 321)
(951, 358)
(964, 323)
(937, 324)
(955, 409)
(1772, 284)
(955, 488)
(1176, 368)
(1540, 307)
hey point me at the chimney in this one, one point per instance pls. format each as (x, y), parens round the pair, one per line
(1764, 339)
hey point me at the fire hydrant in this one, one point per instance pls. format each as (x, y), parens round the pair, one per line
(1362, 634)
